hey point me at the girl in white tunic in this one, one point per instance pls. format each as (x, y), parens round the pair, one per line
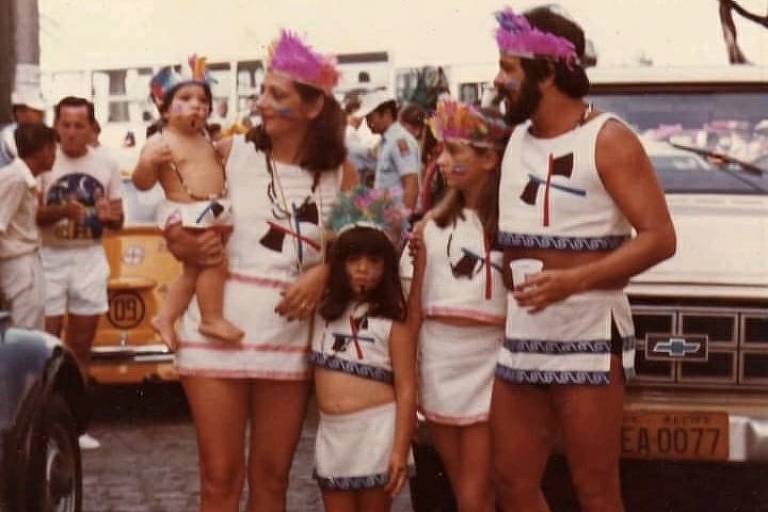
(458, 295)
(364, 358)
(283, 177)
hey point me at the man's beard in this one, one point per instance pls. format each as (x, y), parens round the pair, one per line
(528, 99)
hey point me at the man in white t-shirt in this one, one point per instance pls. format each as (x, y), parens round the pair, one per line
(80, 197)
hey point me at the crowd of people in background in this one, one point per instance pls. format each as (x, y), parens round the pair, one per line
(504, 323)
(59, 194)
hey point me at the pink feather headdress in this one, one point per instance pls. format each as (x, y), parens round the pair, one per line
(291, 56)
(463, 122)
(515, 36)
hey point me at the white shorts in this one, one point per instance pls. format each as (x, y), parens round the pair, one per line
(195, 215)
(76, 280)
(456, 369)
(22, 284)
(352, 450)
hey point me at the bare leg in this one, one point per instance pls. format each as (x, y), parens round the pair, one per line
(176, 302)
(219, 411)
(466, 455)
(591, 421)
(81, 330)
(210, 297)
(474, 489)
(339, 501)
(373, 500)
(522, 434)
(447, 442)
(277, 415)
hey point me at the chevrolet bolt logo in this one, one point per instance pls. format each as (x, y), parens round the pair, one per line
(677, 347)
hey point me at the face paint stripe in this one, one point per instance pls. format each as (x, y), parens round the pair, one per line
(283, 111)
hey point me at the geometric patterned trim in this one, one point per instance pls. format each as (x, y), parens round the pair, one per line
(352, 483)
(558, 347)
(509, 240)
(343, 365)
(551, 377)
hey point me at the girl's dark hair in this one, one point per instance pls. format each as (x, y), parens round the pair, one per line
(323, 149)
(387, 299)
(571, 80)
(170, 93)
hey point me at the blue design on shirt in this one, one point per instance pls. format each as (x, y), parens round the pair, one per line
(86, 190)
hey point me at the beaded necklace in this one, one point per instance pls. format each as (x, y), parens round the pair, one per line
(189, 191)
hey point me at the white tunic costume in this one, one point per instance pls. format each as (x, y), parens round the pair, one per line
(462, 280)
(277, 226)
(352, 450)
(551, 197)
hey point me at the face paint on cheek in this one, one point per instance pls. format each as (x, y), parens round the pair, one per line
(459, 168)
(283, 112)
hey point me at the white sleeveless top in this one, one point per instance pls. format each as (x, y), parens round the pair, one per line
(354, 343)
(463, 276)
(551, 195)
(277, 219)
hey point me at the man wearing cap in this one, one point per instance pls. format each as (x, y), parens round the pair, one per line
(398, 163)
(22, 282)
(28, 108)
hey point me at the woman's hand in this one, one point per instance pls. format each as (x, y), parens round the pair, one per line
(398, 473)
(205, 249)
(544, 288)
(302, 297)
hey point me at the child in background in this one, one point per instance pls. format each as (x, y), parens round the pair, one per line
(459, 299)
(364, 356)
(181, 157)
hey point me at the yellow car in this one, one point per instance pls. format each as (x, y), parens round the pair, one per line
(126, 348)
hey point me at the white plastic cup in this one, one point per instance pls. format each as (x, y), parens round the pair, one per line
(524, 267)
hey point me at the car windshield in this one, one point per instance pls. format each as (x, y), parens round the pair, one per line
(711, 143)
(140, 207)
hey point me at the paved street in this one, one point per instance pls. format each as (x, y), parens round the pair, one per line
(148, 463)
(148, 459)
